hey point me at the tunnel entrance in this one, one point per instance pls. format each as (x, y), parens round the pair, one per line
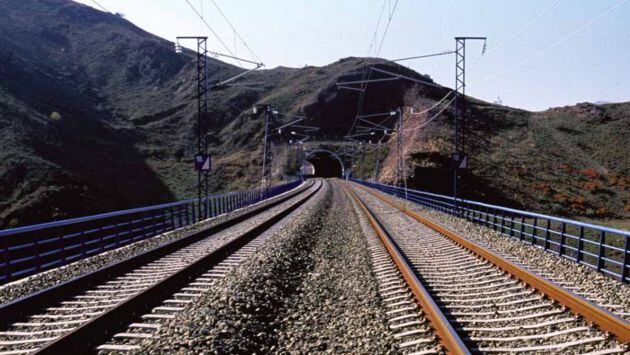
(325, 163)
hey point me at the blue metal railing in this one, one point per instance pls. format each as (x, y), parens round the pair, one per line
(605, 249)
(31, 249)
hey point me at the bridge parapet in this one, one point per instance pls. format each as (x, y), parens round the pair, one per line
(31, 249)
(604, 249)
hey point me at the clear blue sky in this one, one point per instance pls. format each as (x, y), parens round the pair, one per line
(588, 65)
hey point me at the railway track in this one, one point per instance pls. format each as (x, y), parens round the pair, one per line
(477, 301)
(116, 307)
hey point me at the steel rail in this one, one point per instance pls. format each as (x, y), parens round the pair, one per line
(517, 211)
(443, 328)
(592, 313)
(85, 338)
(18, 309)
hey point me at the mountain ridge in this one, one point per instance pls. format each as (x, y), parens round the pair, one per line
(97, 114)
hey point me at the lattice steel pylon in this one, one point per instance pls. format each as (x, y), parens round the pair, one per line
(202, 120)
(459, 141)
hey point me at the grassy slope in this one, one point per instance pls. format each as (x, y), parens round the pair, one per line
(569, 161)
(126, 136)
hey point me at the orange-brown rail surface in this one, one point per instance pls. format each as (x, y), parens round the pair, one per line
(447, 335)
(603, 319)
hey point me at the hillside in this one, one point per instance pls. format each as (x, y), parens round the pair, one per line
(97, 114)
(569, 161)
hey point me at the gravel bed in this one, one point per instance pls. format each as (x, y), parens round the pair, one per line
(308, 289)
(339, 310)
(183, 257)
(604, 290)
(425, 248)
(406, 321)
(37, 282)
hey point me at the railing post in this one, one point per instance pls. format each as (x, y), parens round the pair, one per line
(179, 215)
(487, 217)
(62, 248)
(194, 217)
(7, 267)
(170, 209)
(502, 221)
(600, 252)
(522, 236)
(36, 262)
(580, 245)
(547, 234)
(625, 272)
(101, 239)
(534, 230)
(118, 231)
(187, 215)
(512, 225)
(562, 238)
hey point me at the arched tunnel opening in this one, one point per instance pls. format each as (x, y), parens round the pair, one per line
(326, 164)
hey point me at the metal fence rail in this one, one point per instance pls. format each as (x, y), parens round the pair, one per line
(31, 249)
(605, 249)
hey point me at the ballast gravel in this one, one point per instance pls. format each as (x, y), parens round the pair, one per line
(424, 247)
(309, 289)
(605, 291)
(34, 283)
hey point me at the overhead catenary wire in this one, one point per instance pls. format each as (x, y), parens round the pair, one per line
(213, 32)
(432, 118)
(389, 21)
(378, 23)
(432, 107)
(249, 49)
(100, 6)
(554, 44)
(367, 73)
(424, 56)
(516, 33)
(417, 81)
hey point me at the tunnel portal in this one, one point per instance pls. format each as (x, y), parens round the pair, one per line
(326, 163)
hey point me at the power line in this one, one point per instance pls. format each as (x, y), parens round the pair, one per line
(516, 33)
(212, 31)
(432, 107)
(432, 118)
(528, 25)
(555, 44)
(251, 51)
(389, 21)
(365, 71)
(424, 56)
(100, 6)
(378, 23)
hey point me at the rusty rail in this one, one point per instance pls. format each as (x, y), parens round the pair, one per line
(592, 313)
(447, 335)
